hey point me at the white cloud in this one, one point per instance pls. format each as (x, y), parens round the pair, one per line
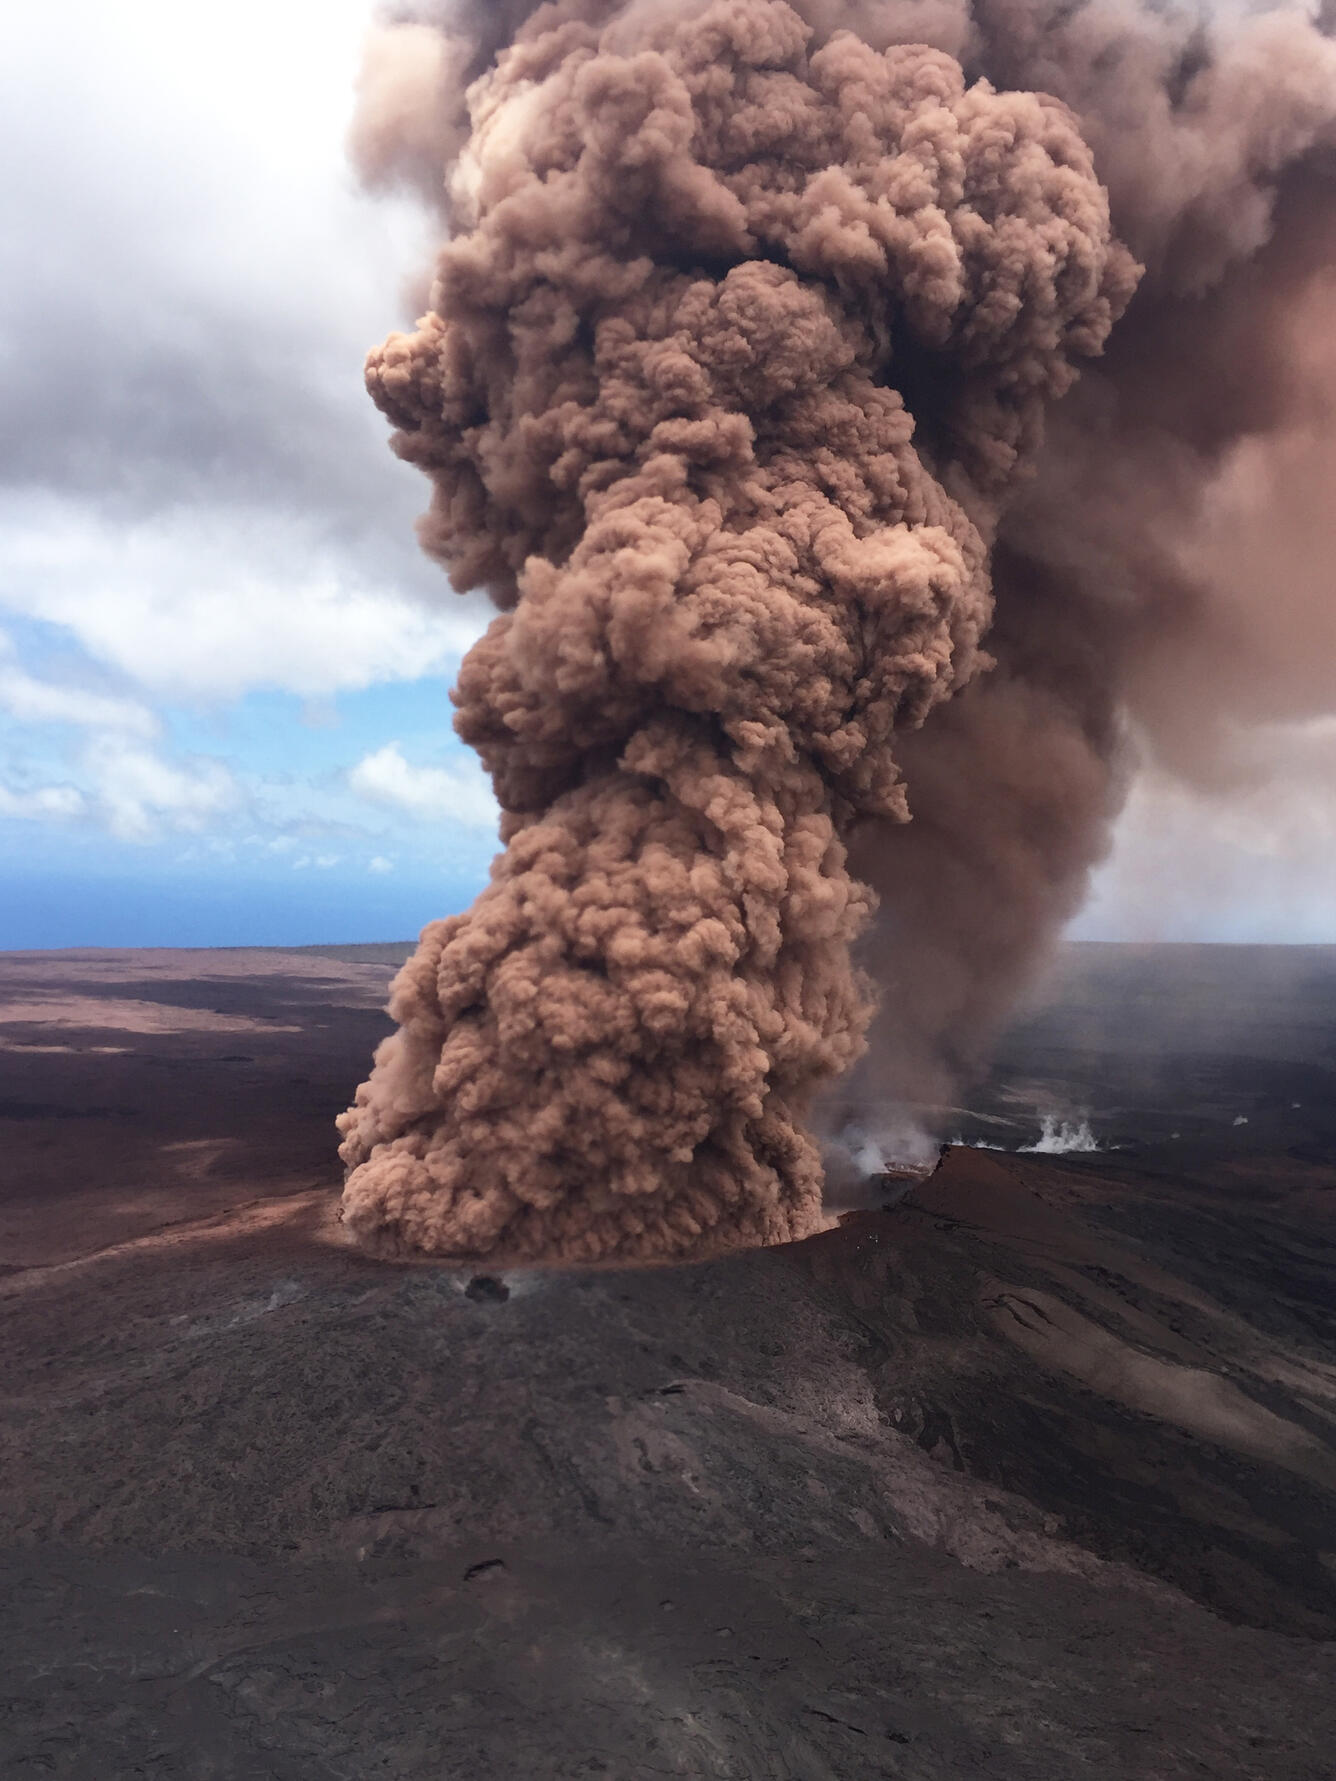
(197, 604)
(48, 803)
(439, 793)
(226, 514)
(139, 793)
(44, 702)
(197, 498)
(126, 786)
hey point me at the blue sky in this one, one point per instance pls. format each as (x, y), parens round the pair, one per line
(224, 664)
(268, 819)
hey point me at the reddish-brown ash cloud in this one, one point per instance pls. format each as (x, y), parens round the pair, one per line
(738, 361)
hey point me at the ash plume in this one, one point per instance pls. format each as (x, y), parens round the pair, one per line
(1160, 580)
(750, 393)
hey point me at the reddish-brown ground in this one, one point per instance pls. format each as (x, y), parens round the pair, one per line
(1032, 1476)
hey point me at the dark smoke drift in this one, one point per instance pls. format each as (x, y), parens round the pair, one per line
(736, 373)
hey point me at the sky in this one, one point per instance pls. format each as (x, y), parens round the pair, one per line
(224, 664)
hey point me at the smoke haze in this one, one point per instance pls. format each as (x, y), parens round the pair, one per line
(777, 385)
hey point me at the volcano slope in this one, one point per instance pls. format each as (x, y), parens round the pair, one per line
(1032, 1475)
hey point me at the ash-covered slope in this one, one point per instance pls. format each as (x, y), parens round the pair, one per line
(1015, 1479)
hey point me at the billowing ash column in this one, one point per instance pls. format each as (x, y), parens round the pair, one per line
(737, 350)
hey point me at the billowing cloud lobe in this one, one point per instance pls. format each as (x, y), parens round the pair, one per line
(733, 396)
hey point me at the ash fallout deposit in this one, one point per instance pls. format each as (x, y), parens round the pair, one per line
(882, 427)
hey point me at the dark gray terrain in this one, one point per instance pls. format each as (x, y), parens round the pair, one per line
(1033, 1475)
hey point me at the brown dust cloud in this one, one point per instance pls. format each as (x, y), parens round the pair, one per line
(881, 427)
